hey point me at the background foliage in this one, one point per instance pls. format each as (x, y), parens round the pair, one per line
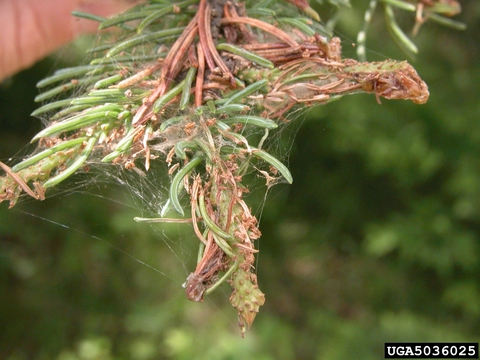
(378, 238)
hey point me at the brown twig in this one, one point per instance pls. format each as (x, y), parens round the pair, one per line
(200, 76)
(171, 67)
(203, 25)
(213, 51)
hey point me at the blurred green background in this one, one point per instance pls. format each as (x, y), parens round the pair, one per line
(378, 238)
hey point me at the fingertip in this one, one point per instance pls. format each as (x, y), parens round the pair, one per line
(32, 29)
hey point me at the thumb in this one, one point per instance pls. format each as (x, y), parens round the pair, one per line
(32, 29)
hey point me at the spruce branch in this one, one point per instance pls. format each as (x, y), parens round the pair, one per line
(187, 83)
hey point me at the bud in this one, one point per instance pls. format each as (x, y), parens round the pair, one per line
(246, 297)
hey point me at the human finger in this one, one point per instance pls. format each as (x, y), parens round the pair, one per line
(32, 29)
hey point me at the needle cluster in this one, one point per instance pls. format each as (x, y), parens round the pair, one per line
(186, 83)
